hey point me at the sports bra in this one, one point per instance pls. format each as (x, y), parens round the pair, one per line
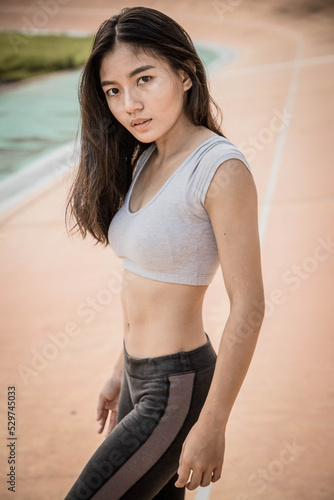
(170, 238)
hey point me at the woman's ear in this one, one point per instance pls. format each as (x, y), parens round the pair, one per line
(186, 80)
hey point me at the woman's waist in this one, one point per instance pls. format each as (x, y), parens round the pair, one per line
(157, 335)
(144, 314)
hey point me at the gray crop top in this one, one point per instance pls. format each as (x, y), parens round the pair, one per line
(171, 238)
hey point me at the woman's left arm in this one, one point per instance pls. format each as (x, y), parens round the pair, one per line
(231, 203)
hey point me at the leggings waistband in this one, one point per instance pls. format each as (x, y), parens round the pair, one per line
(183, 361)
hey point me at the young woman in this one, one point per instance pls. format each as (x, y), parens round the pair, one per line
(159, 181)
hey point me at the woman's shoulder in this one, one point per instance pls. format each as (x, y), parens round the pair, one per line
(220, 149)
(215, 142)
(215, 152)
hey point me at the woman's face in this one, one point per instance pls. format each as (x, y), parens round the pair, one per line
(140, 87)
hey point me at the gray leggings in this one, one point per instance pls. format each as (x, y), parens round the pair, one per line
(161, 399)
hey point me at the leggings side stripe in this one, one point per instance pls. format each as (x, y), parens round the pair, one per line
(179, 399)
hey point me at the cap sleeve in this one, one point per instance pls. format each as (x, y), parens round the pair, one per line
(205, 168)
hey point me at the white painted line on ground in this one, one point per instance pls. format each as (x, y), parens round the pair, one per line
(203, 493)
(277, 159)
(46, 31)
(36, 176)
(264, 68)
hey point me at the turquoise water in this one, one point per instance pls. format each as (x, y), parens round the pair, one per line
(41, 114)
(36, 117)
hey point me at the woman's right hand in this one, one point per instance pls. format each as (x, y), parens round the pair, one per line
(108, 401)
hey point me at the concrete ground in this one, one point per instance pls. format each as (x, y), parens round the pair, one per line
(60, 308)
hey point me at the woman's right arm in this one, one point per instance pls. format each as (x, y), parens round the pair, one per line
(108, 398)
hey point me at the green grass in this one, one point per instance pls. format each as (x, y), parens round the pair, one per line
(23, 56)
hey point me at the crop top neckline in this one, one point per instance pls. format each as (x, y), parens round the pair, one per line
(170, 178)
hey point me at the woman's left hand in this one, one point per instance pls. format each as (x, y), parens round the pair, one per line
(203, 453)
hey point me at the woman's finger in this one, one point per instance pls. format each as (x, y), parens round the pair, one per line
(100, 407)
(195, 480)
(217, 472)
(184, 472)
(206, 479)
(101, 423)
(112, 421)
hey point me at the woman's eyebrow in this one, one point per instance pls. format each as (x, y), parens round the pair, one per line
(130, 75)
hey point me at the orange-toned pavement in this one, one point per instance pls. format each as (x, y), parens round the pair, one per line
(60, 308)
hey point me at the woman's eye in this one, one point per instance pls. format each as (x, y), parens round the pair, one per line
(110, 92)
(141, 78)
(114, 91)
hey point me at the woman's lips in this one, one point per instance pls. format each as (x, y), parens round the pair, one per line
(141, 126)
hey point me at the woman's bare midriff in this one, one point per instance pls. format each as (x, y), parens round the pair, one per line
(161, 318)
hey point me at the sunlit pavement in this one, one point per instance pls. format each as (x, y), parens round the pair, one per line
(60, 307)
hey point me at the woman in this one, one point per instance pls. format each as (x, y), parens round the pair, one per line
(189, 204)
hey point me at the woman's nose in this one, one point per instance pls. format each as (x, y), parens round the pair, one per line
(131, 102)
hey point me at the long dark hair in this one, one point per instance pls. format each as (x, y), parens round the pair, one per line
(108, 151)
